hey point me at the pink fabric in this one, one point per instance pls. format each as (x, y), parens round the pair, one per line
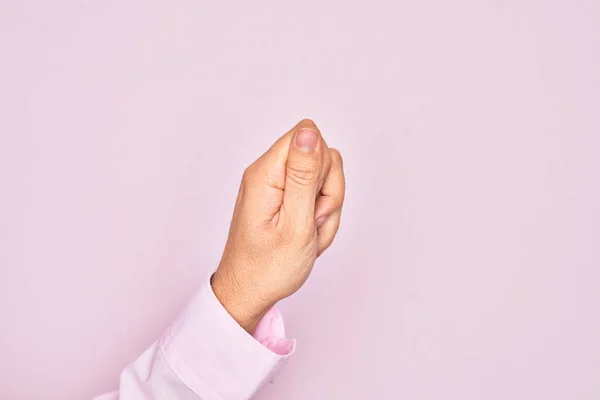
(206, 355)
(271, 333)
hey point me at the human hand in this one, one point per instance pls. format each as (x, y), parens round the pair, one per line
(287, 213)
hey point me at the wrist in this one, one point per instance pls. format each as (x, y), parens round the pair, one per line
(241, 303)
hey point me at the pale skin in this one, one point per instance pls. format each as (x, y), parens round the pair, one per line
(287, 214)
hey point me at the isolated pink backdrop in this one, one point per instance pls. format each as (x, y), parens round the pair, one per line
(468, 263)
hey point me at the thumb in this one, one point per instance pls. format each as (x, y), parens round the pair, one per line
(303, 171)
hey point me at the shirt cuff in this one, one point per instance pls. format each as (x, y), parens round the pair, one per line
(271, 333)
(218, 359)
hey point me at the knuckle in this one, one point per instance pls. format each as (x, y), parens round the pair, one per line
(340, 195)
(337, 157)
(326, 243)
(338, 200)
(248, 174)
(303, 174)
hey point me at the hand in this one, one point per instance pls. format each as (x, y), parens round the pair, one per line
(287, 213)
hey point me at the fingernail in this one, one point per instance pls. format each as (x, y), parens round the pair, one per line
(307, 139)
(320, 221)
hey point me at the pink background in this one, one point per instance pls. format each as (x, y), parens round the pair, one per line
(468, 263)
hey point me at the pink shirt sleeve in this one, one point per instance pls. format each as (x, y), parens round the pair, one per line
(206, 355)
